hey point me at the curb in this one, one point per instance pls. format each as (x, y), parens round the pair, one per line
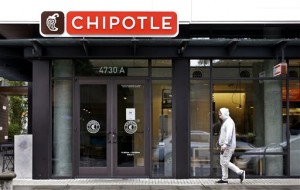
(153, 182)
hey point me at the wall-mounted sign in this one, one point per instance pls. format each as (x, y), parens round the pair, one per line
(130, 113)
(130, 127)
(166, 98)
(280, 69)
(112, 70)
(93, 126)
(109, 23)
(130, 153)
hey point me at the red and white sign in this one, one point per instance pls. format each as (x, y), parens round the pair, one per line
(110, 24)
(280, 69)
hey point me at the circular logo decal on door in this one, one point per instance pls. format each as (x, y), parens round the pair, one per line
(93, 126)
(130, 127)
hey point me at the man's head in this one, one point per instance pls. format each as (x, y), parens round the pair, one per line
(223, 113)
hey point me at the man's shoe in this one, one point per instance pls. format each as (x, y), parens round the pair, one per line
(221, 181)
(242, 176)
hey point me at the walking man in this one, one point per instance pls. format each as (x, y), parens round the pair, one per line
(227, 144)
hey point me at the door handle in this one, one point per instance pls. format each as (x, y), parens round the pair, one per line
(114, 137)
(109, 137)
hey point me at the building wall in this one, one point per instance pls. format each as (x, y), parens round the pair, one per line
(189, 11)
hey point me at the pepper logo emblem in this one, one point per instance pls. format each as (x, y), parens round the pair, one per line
(52, 23)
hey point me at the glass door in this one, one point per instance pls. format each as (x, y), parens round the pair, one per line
(112, 128)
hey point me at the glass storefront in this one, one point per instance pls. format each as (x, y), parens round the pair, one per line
(257, 103)
(267, 122)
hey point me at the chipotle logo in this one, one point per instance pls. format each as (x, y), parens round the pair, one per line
(52, 23)
(85, 23)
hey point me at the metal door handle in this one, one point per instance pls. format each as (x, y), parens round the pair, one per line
(109, 137)
(114, 137)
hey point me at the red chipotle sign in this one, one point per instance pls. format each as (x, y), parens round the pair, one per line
(106, 24)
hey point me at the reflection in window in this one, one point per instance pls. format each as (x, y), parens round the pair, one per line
(258, 104)
(257, 112)
(200, 128)
(294, 126)
(257, 107)
(162, 128)
(161, 67)
(199, 68)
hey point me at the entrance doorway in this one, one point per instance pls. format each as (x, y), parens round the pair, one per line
(112, 127)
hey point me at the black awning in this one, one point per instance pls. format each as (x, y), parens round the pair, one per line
(148, 48)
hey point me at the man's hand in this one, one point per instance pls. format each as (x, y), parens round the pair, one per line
(223, 147)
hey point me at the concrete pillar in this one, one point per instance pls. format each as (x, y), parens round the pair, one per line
(62, 122)
(273, 119)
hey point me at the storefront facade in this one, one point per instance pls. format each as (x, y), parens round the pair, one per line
(107, 107)
(156, 117)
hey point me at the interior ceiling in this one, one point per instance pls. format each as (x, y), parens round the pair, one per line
(18, 31)
(17, 69)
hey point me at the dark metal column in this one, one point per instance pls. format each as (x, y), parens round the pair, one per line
(181, 145)
(41, 118)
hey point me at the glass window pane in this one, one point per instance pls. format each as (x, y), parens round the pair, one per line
(161, 68)
(257, 107)
(200, 128)
(131, 132)
(93, 125)
(223, 68)
(294, 68)
(294, 112)
(200, 68)
(62, 68)
(111, 67)
(162, 128)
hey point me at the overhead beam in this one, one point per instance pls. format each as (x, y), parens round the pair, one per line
(14, 90)
(159, 52)
(11, 53)
(231, 47)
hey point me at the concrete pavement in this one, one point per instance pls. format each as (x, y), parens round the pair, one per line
(154, 184)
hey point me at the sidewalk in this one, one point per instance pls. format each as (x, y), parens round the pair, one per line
(139, 183)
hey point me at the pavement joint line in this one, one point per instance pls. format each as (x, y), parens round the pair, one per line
(152, 182)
